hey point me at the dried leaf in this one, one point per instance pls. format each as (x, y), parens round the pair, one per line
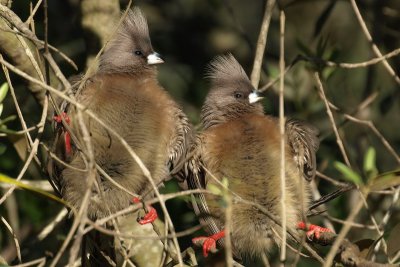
(393, 243)
(385, 180)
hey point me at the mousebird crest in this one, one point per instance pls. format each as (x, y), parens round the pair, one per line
(229, 93)
(130, 50)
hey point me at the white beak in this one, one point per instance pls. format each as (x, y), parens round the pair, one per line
(254, 97)
(154, 58)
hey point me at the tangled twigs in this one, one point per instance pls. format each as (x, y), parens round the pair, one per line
(348, 254)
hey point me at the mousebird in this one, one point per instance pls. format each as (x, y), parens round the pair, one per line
(125, 95)
(241, 144)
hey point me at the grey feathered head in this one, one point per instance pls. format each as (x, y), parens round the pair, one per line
(130, 50)
(229, 93)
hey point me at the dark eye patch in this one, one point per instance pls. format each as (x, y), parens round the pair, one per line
(238, 95)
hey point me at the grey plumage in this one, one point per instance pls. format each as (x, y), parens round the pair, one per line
(226, 75)
(119, 55)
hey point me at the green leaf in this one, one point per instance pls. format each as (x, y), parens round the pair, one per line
(8, 119)
(1, 108)
(225, 182)
(370, 161)
(6, 179)
(385, 180)
(3, 91)
(214, 189)
(348, 173)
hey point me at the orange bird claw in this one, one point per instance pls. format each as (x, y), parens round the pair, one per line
(67, 136)
(209, 242)
(313, 230)
(150, 216)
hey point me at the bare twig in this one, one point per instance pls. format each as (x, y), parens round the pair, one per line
(330, 115)
(387, 216)
(17, 247)
(282, 139)
(33, 149)
(262, 41)
(346, 65)
(371, 41)
(95, 225)
(228, 229)
(353, 224)
(17, 107)
(38, 262)
(346, 228)
(50, 227)
(38, 41)
(371, 125)
(331, 180)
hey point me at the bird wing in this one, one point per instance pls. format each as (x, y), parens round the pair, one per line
(303, 140)
(180, 143)
(195, 178)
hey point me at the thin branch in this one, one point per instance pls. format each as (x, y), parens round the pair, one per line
(282, 139)
(261, 43)
(374, 222)
(365, 63)
(371, 125)
(371, 41)
(353, 224)
(342, 234)
(38, 41)
(17, 107)
(100, 228)
(50, 227)
(331, 180)
(33, 12)
(387, 215)
(228, 229)
(330, 115)
(38, 262)
(17, 247)
(33, 149)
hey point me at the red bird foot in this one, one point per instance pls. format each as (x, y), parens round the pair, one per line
(67, 136)
(209, 243)
(313, 230)
(150, 216)
(58, 118)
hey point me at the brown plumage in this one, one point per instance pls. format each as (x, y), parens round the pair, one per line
(125, 95)
(242, 144)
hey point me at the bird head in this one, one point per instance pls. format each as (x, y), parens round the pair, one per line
(230, 93)
(130, 50)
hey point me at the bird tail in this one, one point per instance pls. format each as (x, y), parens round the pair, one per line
(98, 250)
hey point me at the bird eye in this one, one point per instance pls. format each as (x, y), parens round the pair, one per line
(238, 95)
(138, 53)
